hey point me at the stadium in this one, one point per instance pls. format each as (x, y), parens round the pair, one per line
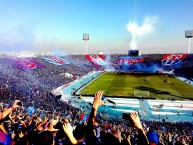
(96, 72)
(158, 89)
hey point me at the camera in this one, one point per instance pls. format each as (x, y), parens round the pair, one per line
(125, 116)
(19, 104)
(103, 98)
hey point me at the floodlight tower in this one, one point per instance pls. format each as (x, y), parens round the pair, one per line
(189, 34)
(85, 38)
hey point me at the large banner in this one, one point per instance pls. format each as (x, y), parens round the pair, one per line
(97, 60)
(172, 59)
(127, 60)
(154, 63)
(25, 63)
(56, 60)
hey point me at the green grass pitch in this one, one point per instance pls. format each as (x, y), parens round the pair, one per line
(124, 85)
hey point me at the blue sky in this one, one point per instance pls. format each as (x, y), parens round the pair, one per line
(58, 25)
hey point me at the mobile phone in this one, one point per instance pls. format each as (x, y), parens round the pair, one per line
(125, 116)
(103, 98)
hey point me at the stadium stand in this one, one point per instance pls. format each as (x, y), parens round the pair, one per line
(30, 114)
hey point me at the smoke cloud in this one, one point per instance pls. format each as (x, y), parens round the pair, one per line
(137, 30)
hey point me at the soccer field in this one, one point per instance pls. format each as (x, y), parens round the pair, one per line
(126, 85)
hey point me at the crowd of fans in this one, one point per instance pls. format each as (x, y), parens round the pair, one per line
(53, 122)
(51, 128)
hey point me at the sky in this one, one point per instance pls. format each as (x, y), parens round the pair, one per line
(114, 26)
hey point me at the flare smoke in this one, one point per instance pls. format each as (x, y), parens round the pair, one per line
(137, 30)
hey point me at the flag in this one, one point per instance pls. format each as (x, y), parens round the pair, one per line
(30, 110)
(85, 119)
(81, 116)
(4, 138)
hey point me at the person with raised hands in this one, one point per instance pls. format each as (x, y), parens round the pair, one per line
(6, 112)
(51, 126)
(135, 121)
(98, 101)
(92, 124)
(69, 132)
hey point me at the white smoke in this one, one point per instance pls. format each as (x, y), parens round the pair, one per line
(137, 30)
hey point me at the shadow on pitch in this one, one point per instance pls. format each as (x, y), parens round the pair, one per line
(159, 92)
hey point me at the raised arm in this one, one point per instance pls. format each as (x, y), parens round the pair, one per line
(69, 132)
(39, 126)
(135, 121)
(96, 103)
(7, 111)
(90, 136)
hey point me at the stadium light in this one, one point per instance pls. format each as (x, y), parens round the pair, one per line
(189, 34)
(85, 38)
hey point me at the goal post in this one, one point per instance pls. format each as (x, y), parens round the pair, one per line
(138, 93)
